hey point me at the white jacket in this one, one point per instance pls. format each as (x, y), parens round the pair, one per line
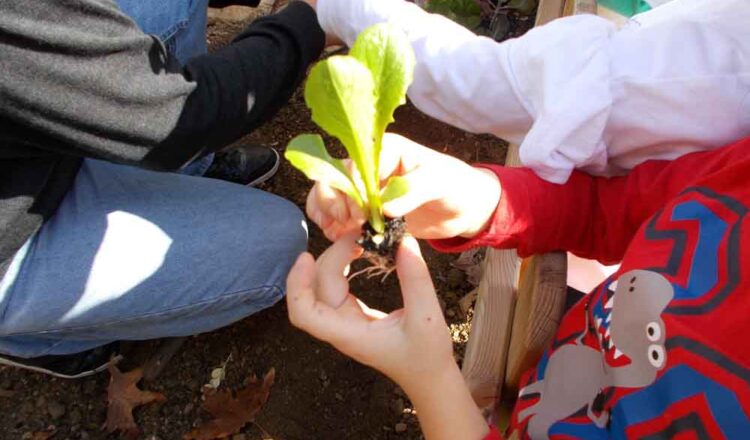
(578, 92)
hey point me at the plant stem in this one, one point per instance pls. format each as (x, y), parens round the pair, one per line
(376, 215)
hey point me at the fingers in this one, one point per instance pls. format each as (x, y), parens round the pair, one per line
(335, 213)
(331, 283)
(300, 288)
(314, 209)
(400, 155)
(424, 186)
(306, 311)
(416, 284)
(326, 203)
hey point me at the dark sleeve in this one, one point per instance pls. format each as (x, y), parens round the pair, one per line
(79, 78)
(243, 84)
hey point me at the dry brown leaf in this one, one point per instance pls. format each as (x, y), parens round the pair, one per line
(123, 395)
(43, 435)
(232, 409)
(471, 263)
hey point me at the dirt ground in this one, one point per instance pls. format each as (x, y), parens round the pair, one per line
(319, 394)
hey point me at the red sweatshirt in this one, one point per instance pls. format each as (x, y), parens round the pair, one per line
(657, 350)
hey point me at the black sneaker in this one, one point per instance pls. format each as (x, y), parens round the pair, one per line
(225, 3)
(248, 165)
(71, 366)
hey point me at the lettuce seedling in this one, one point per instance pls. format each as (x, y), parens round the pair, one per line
(353, 97)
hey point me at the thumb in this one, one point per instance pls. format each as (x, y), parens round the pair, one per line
(422, 189)
(300, 293)
(416, 285)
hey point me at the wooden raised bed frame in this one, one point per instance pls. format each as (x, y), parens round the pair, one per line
(519, 303)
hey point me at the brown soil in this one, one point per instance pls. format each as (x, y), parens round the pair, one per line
(319, 394)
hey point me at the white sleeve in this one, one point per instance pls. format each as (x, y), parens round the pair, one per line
(461, 79)
(578, 93)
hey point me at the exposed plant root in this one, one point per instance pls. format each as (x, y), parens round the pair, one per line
(380, 249)
(380, 266)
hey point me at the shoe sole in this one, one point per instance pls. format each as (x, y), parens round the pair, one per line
(10, 363)
(270, 173)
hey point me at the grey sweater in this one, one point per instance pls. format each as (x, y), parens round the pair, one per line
(79, 79)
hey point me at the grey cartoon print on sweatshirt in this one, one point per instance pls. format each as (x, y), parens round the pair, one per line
(628, 323)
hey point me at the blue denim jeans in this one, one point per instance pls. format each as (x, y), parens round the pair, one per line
(179, 24)
(133, 254)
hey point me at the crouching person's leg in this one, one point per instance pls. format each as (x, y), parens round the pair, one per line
(133, 254)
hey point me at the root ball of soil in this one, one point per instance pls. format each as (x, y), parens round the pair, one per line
(385, 244)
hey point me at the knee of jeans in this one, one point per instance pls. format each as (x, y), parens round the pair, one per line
(289, 222)
(282, 234)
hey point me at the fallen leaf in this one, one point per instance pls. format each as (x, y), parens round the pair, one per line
(471, 263)
(219, 374)
(42, 435)
(123, 395)
(232, 409)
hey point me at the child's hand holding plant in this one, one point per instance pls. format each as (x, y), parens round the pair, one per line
(353, 97)
(446, 198)
(410, 345)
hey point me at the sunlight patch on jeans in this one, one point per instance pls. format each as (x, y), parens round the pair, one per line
(132, 250)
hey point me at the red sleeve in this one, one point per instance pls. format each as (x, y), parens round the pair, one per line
(494, 434)
(594, 217)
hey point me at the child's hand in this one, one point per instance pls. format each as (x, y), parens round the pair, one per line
(446, 197)
(410, 345)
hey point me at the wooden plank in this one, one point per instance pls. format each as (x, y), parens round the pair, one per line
(485, 357)
(542, 287)
(575, 7)
(549, 10)
(539, 307)
(501, 346)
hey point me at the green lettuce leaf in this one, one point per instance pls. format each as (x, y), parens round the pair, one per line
(340, 92)
(396, 187)
(308, 154)
(387, 53)
(353, 99)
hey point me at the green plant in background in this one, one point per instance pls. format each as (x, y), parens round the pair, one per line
(353, 97)
(491, 18)
(467, 13)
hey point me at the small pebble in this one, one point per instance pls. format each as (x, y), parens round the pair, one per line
(398, 406)
(55, 409)
(455, 277)
(27, 408)
(75, 416)
(89, 387)
(339, 397)
(400, 427)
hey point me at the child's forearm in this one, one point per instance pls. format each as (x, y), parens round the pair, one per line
(445, 408)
